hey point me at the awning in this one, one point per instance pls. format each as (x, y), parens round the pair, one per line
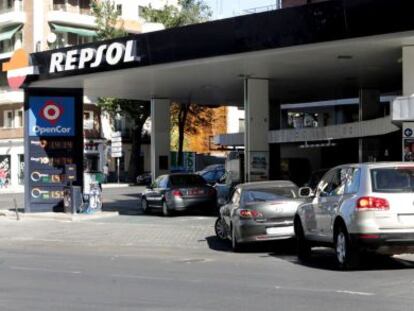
(7, 35)
(79, 31)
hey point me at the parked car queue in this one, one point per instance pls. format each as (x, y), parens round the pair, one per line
(354, 209)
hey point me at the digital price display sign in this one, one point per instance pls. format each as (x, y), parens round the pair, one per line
(53, 139)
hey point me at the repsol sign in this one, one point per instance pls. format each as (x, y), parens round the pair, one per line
(77, 59)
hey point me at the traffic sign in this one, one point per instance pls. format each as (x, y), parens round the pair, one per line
(116, 134)
(116, 149)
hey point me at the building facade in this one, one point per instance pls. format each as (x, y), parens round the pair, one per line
(39, 25)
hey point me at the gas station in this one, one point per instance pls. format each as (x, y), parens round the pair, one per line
(321, 52)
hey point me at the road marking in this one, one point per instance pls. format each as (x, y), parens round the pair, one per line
(20, 268)
(141, 277)
(354, 293)
(347, 292)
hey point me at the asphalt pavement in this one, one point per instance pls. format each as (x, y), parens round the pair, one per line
(141, 262)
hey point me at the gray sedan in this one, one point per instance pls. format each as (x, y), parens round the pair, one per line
(259, 211)
(179, 192)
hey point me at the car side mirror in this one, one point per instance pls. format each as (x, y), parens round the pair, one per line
(305, 192)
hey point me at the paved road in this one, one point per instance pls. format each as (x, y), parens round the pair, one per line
(137, 262)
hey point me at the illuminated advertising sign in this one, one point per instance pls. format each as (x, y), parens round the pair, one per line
(51, 116)
(53, 138)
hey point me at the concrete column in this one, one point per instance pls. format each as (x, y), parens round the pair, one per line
(408, 70)
(369, 108)
(256, 105)
(160, 137)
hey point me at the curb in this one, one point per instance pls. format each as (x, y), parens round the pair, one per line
(58, 216)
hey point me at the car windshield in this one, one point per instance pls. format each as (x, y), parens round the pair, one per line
(187, 180)
(399, 179)
(270, 194)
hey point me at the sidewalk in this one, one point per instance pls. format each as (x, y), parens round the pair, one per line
(11, 215)
(12, 190)
(115, 185)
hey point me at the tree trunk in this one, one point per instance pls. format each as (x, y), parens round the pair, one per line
(135, 167)
(182, 120)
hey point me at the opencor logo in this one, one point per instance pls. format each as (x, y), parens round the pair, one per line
(51, 112)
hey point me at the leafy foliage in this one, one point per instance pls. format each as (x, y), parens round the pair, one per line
(108, 20)
(188, 12)
(110, 26)
(187, 118)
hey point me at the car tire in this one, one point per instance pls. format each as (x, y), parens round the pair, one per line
(235, 245)
(220, 229)
(144, 206)
(165, 210)
(347, 256)
(303, 247)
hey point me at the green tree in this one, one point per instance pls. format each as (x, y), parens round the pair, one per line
(188, 117)
(110, 26)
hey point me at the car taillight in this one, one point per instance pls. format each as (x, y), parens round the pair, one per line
(245, 213)
(177, 193)
(371, 203)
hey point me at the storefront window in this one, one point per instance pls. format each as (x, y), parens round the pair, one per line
(299, 120)
(4, 171)
(91, 163)
(21, 169)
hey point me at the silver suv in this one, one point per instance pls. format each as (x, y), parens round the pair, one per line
(359, 207)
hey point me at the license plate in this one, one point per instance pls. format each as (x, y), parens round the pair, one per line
(280, 231)
(196, 192)
(406, 219)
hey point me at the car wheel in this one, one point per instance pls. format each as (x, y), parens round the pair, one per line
(144, 206)
(165, 211)
(235, 245)
(303, 247)
(347, 256)
(220, 229)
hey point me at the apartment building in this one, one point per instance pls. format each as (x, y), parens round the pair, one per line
(37, 25)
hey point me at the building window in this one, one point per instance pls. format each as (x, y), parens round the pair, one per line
(18, 118)
(85, 6)
(21, 169)
(59, 5)
(241, 126)
(13, 118)
(140, 11)
(6, 6)
(119, 9)
(8, 119)
(64, 39)
(9, 45)
(88, 120)
(4, 171)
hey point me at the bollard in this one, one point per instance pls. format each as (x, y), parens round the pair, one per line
(16, 209)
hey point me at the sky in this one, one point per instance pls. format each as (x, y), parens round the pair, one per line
(229, 8)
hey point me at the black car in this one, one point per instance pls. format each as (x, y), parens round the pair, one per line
(144, 179)
(179, 192)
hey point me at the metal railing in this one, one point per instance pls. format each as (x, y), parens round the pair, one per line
(63, 7)
(260, 9)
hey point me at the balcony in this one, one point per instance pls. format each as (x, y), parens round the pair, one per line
(75, 16)
(12, 15)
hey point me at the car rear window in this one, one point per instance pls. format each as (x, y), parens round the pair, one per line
(266, 195)
(399, 179)
(187, 180)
